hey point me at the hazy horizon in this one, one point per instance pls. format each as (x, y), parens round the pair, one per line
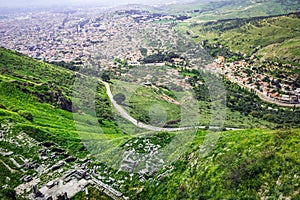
(49, 3)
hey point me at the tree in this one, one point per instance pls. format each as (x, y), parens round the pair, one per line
(119, 98)
(144, 52)
(105, 76)
(26, 115)
(8, 194)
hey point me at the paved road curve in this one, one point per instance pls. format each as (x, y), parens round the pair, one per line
(126, 116)
(262, 96)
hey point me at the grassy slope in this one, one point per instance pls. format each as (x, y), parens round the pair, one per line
(24, 80)
(266, 155)
(19, 67)
(21, 79)
(249, 164)
(45, 118)
(230, 9)
(143, 100)
(245, 9)
(275, 38)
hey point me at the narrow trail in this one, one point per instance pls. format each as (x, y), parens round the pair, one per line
(10, 169)
(126, 116)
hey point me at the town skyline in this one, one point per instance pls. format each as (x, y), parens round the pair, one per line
(51, 3)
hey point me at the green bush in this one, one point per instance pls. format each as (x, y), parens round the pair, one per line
(2, 106)
(8, 194)
(119, 98)
(27, 115)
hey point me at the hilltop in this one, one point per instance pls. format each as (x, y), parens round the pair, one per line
(204, 11)
(258, 53)
(273, 38)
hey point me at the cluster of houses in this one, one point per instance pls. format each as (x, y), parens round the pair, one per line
(271, 87)
(93, 40)
(145, 16)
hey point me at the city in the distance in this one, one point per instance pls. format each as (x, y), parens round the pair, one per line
(149, 99)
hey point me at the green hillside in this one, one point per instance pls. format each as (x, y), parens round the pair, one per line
(274, 38)
(250, 164)
(35, 103)
(36, 96)
(230, 9)
(27, 87)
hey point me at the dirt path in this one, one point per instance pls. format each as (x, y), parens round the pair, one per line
(126, 116)
(10, 169)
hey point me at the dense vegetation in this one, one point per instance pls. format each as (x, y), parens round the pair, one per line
(250, 164)
(248, 103)
(29, 105)
(160, 57)
(71, 65)
(245, 102)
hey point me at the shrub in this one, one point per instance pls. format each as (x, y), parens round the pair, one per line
(27, 115)
(119, 98)
(8, 194)
(2, 106)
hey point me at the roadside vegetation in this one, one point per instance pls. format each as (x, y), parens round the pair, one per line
(243, 104)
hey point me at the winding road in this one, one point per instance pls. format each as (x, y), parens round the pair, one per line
(126, 116)
(261, 95)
